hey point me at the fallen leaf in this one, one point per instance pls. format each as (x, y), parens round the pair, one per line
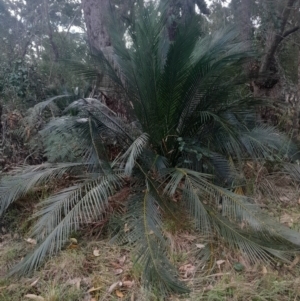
(119, 294)
(200, 246)
(73, 240)
(188, 270)
(114, 286)
(122, 260)
(287, 220)
(34, 297)
(264, 270)
(284, 199)
(96, 252)
(126, 228)
(294, 263)
(93, 289)
(220, 262)
(118, 271)
(34, 282)
(72, 246)
(128, 284)
(189, 237)
(30, 241)
(208, 288)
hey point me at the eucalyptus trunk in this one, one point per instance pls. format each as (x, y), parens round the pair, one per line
(94, 15)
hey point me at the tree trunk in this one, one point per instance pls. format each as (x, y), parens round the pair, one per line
(181, 10)
(266, 76)
(94, 15)
(50, 31)
(245, 23)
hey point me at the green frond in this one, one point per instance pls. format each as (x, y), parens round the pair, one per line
(266, 142)
(49, 103)
(204, 200)
(83, 69)
(16, 185)
(144, 229)
(92, 127)
(132, 153)
(253, 245)
(63, 213)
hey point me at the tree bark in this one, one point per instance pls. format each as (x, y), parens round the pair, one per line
(275, 40)
(95, 16)
(181, 10)
(50, 31)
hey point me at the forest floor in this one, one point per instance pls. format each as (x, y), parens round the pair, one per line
(91, 269)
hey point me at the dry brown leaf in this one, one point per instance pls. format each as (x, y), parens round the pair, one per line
(188, 270)
(75, 281)
(208, 288)
(200, 246)
(34, 282)
(30, 241)
(189, 237)
(126, 228)
(114, 286)
(96, 252)
(119, 294)
(73, 240)
(73, 246)
(118, 271)
(128, 284)
(264, 270)
(220, 262)
(122, 260)
(93, 289)
(294, 263)
(287, 220)
(116, 265)
(34, 297)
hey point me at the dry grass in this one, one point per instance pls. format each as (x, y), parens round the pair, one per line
(77, 274)
(92, 270)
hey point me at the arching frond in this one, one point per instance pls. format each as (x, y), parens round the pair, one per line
(132, 153)
(144, 229)
(65, 212)
(16, 186)
(239, 219)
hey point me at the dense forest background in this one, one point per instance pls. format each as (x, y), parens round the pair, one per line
(138, 121)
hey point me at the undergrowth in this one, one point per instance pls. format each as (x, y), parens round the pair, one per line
(89, 269)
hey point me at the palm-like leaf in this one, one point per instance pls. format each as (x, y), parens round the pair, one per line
(195, 127)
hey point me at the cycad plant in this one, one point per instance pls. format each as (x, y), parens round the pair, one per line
(193, 128)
